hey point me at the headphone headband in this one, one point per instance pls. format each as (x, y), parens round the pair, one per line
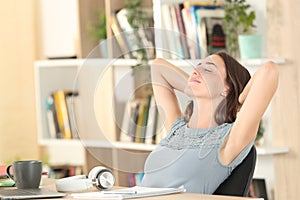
(102, 177)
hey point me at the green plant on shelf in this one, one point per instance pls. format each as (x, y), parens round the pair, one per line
(97, 29)
(238, 20)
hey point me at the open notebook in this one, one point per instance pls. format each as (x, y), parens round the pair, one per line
(29, 193)
(129, 193)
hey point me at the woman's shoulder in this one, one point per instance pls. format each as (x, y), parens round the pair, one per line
(179, 121)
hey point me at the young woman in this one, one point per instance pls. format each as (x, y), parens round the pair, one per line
(219, 126)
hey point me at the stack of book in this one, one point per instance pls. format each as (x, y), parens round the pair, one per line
(193, 29)
(62, 171)
(61, 118)
(141, 122)
(5, 181)
(130, 39)
(135, 178)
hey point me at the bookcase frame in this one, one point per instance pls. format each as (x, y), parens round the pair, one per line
(54, 74)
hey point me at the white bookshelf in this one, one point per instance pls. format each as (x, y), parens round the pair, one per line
(51, 76)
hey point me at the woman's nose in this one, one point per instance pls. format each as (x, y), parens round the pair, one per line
(196, 72)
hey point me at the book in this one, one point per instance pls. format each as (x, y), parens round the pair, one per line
(128, 119)
(62, 112)
(193, 20)
(160, 131)
(51, 118)
(176, 33)
(151, 122)
(189, 34)
(131, 35)
(3, 171)
(139, 122)
(172, 49)
(120, 37)
(202, 35)
(137, 39)
(145, 119)
(72, 106)
(139, 125)
(183, 40)
(6, 182)
(191, 17)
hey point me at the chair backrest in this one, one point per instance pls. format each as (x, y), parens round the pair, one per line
(238, 183)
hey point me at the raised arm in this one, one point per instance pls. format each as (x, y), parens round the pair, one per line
(255, 99)
(165, 79)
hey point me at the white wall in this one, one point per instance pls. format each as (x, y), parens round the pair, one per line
(261, 22)
(59, 28)
(17, 103)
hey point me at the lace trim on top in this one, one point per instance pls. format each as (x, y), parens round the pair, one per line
(182, 137)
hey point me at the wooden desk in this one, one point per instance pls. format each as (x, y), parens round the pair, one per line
(50, 184)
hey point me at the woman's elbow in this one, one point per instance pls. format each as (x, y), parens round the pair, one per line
(156, 64)
(271, 72)
(272, 67)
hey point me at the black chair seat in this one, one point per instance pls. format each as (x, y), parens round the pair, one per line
(238, 183)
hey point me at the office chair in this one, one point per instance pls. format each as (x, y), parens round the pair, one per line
(238, 183)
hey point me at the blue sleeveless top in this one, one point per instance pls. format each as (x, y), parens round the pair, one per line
(190, 157)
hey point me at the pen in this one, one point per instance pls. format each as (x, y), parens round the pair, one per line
(120, 192)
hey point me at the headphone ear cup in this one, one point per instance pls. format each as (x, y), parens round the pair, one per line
(73, 184)
(94, 172)
(103, 177)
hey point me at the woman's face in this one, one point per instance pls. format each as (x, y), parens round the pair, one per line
(208, 79)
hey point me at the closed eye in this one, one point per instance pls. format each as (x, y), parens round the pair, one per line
(207, 70)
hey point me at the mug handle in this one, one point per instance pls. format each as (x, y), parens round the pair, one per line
(8, 173)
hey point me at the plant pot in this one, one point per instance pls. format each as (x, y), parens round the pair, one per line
(250, 46)
(142, 81)
(103, 48)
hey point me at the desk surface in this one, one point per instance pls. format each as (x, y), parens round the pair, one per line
(50, 184)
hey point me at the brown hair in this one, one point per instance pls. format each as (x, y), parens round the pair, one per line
(237, 77)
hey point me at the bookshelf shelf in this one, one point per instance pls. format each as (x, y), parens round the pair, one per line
(120, 145)
(272, 151)
(261, 61)
(53, 142)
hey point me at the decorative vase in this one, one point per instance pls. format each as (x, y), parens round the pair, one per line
(103, 48)
(250, 46)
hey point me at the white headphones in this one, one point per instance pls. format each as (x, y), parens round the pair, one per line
(102, 177)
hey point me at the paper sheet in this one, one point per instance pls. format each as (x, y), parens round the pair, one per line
(128, 193)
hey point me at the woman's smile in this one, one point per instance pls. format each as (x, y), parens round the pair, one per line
(194, 80)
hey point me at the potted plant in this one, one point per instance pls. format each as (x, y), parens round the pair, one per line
(97, 30)
(239, 26)
(260, 134)
(139, 20)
